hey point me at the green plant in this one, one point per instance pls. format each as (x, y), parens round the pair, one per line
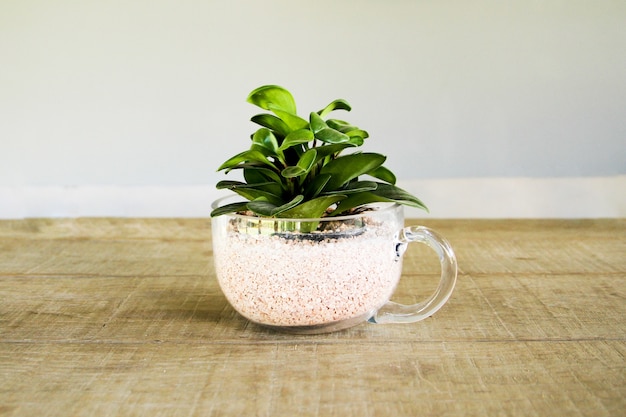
(297, 168)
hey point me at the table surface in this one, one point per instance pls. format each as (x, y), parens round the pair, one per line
(103, 317)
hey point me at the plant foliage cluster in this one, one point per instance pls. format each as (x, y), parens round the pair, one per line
(299, 168)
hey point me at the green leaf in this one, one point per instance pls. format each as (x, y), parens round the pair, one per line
(292, 120)
(265, 208)
(271, 122)
(399, 195)
(329, 135)
(225, 184)
(250, 191)
(273, 96)
(357, 136)
(260, 181)
(266, 139)
(254, 165)
(312, 209)
(339, 104)
(230, 208)
(292, 172)
(303, 166)
(383, 193)
(332, 149)
(257, 174)
(384, 174)
(297, 137)
(316, 186)
(287, 206)
(257, 147)
(356, 141)
(261, 207)
(357, 200)
(357, 133)
(307, 160)
(348, 167)
(325, 133)
(254, 193)
(355, 187)
(340, 125)
(316, 122)
(250, 155)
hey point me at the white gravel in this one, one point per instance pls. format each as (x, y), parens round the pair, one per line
(287, 282)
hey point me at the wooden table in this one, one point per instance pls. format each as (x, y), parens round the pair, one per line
(104, 317)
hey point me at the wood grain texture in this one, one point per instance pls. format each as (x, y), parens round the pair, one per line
(115, 317)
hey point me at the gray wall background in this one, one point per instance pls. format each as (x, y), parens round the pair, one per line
(146, 93)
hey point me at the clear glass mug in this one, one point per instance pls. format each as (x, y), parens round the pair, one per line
(323, 275)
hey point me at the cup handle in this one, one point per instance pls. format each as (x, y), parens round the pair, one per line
(399, 313)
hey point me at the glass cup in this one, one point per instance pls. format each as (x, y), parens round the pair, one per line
(326, 274)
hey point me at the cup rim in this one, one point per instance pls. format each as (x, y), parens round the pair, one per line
(378, 207)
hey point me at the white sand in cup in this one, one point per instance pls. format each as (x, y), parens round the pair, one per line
(298, 282)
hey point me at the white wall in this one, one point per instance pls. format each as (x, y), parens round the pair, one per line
(137, 96)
